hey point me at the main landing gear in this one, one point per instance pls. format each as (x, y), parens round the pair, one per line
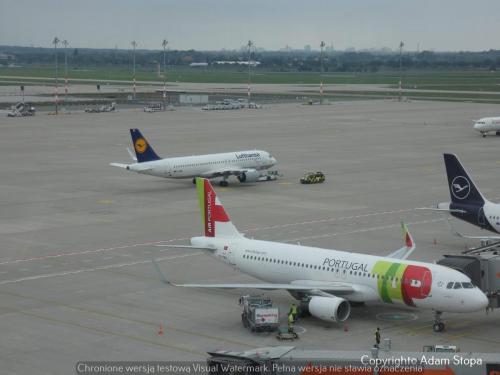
(438, 324)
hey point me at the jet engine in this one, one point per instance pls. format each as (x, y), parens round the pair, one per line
(250, 175)
(331, 309)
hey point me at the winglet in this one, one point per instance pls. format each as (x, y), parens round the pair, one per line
(409, 246)
(160, 273)
(407, 238)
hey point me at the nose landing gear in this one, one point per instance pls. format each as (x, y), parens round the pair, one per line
(438, 325)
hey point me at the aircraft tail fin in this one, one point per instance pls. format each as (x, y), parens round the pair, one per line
(215, 220)
(142, 148)
(462, 188)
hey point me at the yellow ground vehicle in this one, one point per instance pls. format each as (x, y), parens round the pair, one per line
(312, 178)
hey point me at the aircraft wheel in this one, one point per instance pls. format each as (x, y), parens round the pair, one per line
(224, 183)
(194, 180)
(438, 327)
(484, 135)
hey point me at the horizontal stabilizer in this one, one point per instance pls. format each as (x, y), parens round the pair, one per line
(453, 210)
(119, 165)
(187, 247)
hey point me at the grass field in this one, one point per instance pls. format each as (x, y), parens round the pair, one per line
(428, 80)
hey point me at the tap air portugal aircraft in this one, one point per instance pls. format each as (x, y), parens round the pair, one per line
(487, 125)
(467, 202)
(324, 280)
(245, 165)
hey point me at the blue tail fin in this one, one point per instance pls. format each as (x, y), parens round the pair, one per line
(142, 148)
(462, 188)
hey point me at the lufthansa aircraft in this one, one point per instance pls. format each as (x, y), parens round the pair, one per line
(467, 202)
(324, 280)
(487, 125)
(245, 165)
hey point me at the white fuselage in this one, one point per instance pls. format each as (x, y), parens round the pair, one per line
(374, 278)
(492, 214)
(205, 165)
(487, 124)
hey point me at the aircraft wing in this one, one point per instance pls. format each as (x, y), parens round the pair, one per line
(314, 287)
(406, 250)
(458, 234)
(229, 171)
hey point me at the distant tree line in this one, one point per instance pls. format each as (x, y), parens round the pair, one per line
(284, 61)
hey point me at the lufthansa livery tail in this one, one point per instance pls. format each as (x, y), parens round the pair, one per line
(462, 188)
(142, 148)
(215, 220)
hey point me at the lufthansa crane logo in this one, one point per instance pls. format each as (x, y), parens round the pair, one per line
(140, 145)
(460, 187)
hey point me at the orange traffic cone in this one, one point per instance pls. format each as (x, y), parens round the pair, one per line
(346, 327)
(160, 331)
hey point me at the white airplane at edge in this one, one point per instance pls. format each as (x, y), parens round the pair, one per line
(245, 165)
(487, 124)
(324, 280)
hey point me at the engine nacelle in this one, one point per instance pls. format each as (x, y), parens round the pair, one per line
(331, 309)
(251, 175)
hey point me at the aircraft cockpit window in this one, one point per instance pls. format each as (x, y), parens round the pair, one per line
(457, 286)
(467, 285)
(450, 285)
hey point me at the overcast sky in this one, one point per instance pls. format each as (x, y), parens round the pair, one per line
(272, 24)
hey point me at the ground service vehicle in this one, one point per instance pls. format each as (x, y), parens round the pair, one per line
(259, 314)
(312, 178)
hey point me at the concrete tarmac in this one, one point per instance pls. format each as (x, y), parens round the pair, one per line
(76, 280)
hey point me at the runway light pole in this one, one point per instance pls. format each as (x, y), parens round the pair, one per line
(401, 45)
(164, 44)
(134, 45)
(56, 42)
(65, 43)
(249, 45)
(321, 46)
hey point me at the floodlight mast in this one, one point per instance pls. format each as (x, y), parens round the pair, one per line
(321, 46)
(164, 44)
(65, 43)
(134, 45)
(401, 45)
(56, 42)
(250, 44)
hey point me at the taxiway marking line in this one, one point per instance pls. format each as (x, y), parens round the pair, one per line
(108, 332)
(116, 316)
(100, 268)
(363, 230)
(270, 227)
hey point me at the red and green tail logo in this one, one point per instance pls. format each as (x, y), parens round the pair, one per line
(211, 209)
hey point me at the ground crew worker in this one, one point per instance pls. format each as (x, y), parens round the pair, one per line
(290, 323)
(377, 337)
(294, 311)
